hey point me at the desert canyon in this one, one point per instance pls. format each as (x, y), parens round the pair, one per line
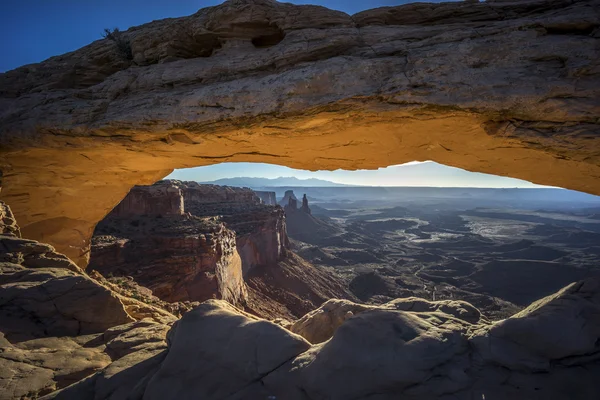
(117, 284)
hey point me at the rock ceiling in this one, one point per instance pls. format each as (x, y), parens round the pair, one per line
(508, 88)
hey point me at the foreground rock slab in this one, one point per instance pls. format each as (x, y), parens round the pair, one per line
(378, 352)
(58, 325)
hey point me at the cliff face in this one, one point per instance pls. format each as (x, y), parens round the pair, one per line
(266, 242)
(178, 256)
(507, 88)
(226, 245)
(285, 201)
(66, 336)
(186, 241)
(260, 229)
(267, 198)
(153, 201)
(205, 199)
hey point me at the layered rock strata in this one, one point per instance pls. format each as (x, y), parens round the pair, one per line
(65, 336)
(261, 237)
(58, 326)
(179, 258)
(150, 201)
(194, 257)
(508, 88)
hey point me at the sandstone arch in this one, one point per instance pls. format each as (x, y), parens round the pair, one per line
(509, 88)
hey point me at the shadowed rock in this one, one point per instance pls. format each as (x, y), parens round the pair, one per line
(508, 88)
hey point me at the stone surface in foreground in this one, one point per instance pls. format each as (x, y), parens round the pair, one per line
(65, 336)
(436, 351)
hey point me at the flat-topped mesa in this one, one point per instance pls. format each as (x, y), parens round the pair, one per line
(305, 208)
(177, 255)
(204, 199)
(178, 258)
(161, 199)
(200, 254)
(260, 229)
(285, 201)
(267, 198)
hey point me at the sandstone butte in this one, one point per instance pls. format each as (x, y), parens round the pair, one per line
(66, 335)
(187, 243)
(503, 87)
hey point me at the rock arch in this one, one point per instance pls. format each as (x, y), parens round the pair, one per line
(509, 88)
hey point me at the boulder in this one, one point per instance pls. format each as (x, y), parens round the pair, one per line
(228, 349)
(319, 325)
(562, 328)
(55, 302)
(379, 352)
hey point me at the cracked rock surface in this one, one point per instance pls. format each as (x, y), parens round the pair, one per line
(548, 351)
(503, 87)
(58, 326)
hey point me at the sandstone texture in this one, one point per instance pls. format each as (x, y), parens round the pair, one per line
(509, 88)
(226, 245)
(378, 352)
(179, 257)
(260, 229)
(57, 325)
(153, 201)
(64, 335)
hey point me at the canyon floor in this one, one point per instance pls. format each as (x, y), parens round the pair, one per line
(499, 250)
(189, 308)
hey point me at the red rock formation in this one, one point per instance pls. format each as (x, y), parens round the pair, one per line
(178, 256)
(207, 195)
(260, 229)
(266, 242)
(226, 236)
(179, 259)
(161, 199)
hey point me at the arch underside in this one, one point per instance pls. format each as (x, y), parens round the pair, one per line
(490, 88)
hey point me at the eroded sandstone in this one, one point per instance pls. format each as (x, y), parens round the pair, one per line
(379, 352)
(509, 88)
(194, 256)
(59, 326)
(177, 255)
(410, 348)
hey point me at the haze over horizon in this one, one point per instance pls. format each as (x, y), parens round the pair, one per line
(427, 173)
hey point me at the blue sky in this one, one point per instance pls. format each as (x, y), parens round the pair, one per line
(410, 174)
(34, 30)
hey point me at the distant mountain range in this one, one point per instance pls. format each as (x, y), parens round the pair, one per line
(267, 182)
